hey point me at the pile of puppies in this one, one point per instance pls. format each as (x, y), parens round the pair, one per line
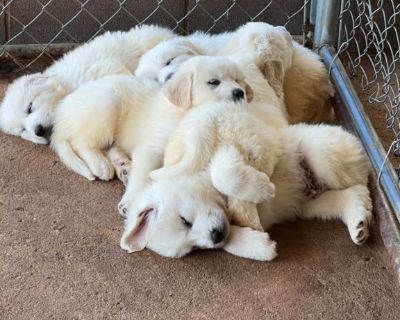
(207, 132)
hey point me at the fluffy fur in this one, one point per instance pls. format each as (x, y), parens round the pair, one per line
(198, 81)
(123, 114)
(299, 170)
(306, 88)
(306, 84)
(30, 101)
(176, 217)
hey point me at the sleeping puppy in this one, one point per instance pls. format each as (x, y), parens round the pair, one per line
(306, 89)
(30, 101)
(299, 170)
(306, 85)
(165, 58)
(198, 81)
(104, 119)
(228, 130)
(178, 216)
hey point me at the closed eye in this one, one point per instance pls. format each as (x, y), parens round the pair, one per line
(186, 223)
(169, 61)
(214, 82)
(29, 111)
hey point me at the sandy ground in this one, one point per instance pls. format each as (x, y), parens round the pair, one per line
(60, 259)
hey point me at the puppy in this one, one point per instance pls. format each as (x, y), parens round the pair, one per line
(164, 59)
(30, 101)
(299, 170)
(306, 85)
(221, 129)
(104, 119)
(176, 217)
(198, 81)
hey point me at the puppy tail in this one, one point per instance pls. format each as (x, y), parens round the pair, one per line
(71, 159)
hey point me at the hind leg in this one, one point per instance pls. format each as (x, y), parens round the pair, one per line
(352, 205)
(97, 162)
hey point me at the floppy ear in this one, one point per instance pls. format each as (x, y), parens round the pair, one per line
(178, 89)
(249, 92)
(274, 72)
(137, 230)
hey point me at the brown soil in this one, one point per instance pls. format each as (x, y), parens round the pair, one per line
(60, 259)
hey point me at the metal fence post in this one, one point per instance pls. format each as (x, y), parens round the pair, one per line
(326, 22)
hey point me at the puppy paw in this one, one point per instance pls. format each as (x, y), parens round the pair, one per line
(359, 221)
(250, 244)
(361, 233)
(102, 169)
(123, 208)
(264, 248)
(122, 171)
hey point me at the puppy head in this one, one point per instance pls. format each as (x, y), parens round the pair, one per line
(272, 48)
(173, 218)
(161, 62)
(28, 107)
(203, 80)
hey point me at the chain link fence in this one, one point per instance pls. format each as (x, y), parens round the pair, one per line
(37, 29)
(369, 46)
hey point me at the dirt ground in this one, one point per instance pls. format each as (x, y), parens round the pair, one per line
(60, 259)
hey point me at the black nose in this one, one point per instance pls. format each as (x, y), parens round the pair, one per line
(217, 235)
(41, 131)
(237, 94)
(169, 76)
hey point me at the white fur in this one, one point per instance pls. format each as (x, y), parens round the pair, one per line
(244, 158)
(306, 86)
(194, 199)
(135, 116)
(111, 53)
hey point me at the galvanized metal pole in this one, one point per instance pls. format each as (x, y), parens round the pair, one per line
(326, 22)
(388, 179)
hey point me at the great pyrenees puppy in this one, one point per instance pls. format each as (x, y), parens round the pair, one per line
(30, 101)
(307, 171)
(123, 114)
(165, 58)
(306, 86)
(306, 89)
(178, 216)
(198, 81)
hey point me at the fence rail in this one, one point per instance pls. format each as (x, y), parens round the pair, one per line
(369, 46)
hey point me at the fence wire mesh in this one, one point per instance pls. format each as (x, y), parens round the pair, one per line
(51, 26)
(370, 48)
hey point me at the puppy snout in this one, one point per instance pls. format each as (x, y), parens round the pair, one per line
(237, 94)
(41, 131)
(218, 235)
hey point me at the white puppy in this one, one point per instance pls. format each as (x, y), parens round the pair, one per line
(175, 217)
(306, 84)
(135, 116)
(306, 89)
(164, 59)
(30, 101)
(298, 170)
(227, 130)
(198, 81)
